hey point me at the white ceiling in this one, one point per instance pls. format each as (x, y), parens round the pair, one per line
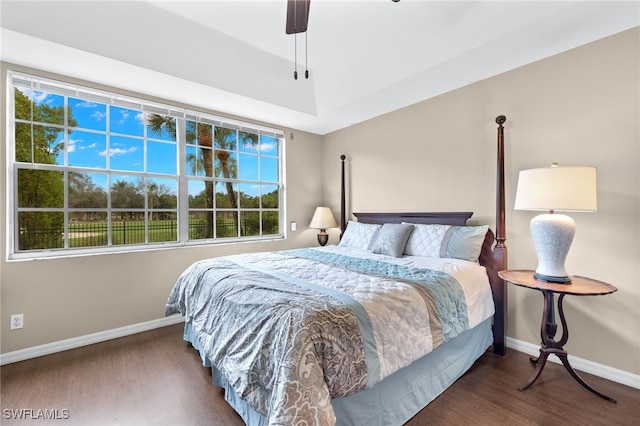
(366, 57)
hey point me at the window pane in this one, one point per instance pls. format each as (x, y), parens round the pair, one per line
(87, 149)
(162, 193)
(225, 138)
(248, 167)
(88, 114)
(226, 195)
(200, 225)
(162, 157)
(191, 132)
(199, 134)
(161, 127)
(127, 228)
(248, 142)
(269, 145)
(48, 145)
(88, 229)
(163, 227)
(270, 196)
(270, 223)
(250, 223)
(40, 230)
(22, 104)
(198, 194)
(194, 167)
(269, 169)
(23, 142)
(126, 121)
(226, 224)
(127, 192)
(87, 190)
(226, 164)
(40, 188)
(207, 162)
(48, 108)
(126, 154)
(249, 196)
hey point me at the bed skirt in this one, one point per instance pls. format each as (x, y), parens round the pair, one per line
(398, 397)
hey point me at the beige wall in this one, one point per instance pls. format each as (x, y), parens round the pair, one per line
(576, 108)
(72, 297)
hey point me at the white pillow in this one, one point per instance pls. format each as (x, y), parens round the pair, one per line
(426, 240)
(358, 235)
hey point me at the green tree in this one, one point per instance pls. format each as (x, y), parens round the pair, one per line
(126, 195)
(84, 194)
(39, 141)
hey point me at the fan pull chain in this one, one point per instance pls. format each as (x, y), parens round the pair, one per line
(306, 56)
(295, 56)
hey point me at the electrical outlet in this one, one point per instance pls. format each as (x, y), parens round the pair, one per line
(17, 321)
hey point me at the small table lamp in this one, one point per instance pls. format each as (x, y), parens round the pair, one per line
(323, 219)
(551, 189)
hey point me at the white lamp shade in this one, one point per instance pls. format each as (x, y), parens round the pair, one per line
(557, 188)
(323, 219)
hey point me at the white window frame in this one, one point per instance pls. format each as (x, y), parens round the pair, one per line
(15, 79)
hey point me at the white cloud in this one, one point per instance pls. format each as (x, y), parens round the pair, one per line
(71, 145)
(268, 146)
(118, 151)
(85, 104)
(98, 115)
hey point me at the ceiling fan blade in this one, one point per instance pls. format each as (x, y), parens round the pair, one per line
(297, 16)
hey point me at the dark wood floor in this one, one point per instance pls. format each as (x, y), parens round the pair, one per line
(155, 378)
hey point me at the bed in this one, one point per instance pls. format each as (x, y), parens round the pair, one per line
(368, 331)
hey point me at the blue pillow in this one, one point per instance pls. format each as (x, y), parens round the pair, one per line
(391, 239)
(464, 242)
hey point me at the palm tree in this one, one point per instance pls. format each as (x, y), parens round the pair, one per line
(225, 141)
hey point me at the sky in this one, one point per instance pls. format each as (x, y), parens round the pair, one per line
(87, 147)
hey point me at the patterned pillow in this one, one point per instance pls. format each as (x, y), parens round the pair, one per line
(426, 240)
(358, 235)
(464, 242)
(391, 239)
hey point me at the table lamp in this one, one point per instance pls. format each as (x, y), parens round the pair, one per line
(323, 219)
(555, 189)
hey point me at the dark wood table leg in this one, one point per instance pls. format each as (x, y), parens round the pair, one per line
(548, 330)
(562, 354)
(565, 362)
(540, 361)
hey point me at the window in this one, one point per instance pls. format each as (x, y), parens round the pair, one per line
(97, 172)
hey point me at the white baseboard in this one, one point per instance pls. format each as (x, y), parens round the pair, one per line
(600, 370)
(89, 339)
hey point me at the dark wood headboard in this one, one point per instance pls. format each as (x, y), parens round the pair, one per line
(492, 257)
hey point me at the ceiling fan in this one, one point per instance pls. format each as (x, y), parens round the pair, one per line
(297, 16)
(297, 22)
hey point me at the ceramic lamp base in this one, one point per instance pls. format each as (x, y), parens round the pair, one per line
(552, 236)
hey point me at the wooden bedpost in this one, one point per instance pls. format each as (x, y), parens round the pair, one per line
(343, 213)
(500, 251)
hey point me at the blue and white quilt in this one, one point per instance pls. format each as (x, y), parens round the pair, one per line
(291, 330)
